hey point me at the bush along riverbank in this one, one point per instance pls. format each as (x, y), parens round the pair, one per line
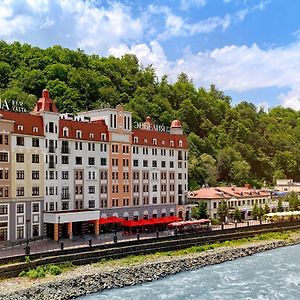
(77, 281)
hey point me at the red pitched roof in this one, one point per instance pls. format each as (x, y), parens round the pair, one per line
(86, 128)
(208, 193)
(242, 192)
(163, 139)
(27, 121)
(226, 193)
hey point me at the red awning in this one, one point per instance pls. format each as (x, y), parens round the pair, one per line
(110, 220)
(149, 222)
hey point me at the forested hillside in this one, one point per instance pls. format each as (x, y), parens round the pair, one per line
(228, 144)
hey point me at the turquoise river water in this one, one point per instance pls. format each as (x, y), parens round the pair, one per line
(270, 275)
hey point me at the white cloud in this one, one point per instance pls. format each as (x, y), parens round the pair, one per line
(187, 4)
(177, 26)
(235, 68)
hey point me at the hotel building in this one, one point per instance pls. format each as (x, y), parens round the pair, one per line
(61, 174)
(244, 198)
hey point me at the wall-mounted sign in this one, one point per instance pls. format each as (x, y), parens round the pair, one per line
(148, 126)
(15, 106)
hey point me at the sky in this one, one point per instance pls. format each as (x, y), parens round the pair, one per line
(250, 49)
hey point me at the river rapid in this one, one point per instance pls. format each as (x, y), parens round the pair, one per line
(270, 275)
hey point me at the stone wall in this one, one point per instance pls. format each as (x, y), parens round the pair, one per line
(72, 287)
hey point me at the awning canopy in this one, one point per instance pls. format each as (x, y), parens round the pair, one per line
(149, 222)
(110, 220)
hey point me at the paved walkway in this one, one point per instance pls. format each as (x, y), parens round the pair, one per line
(48, 245)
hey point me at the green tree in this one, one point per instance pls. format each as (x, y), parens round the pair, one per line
(266, 209)
(279, 205)
(223, 210)
(255, 211)
(260, 212)
(237, 215)
(293, 200)
(203, 210)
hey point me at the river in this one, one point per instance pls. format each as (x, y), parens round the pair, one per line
(270, 275)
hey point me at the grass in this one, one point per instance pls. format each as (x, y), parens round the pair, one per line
(46, 270)
(137, 259)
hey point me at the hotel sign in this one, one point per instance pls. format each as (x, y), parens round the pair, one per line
(148, 126)
(15, 106)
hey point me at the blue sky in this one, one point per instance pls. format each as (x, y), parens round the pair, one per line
(248, 48)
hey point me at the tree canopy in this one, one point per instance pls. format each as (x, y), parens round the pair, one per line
(228, 144)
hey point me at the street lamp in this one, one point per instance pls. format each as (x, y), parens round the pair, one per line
(27, 248)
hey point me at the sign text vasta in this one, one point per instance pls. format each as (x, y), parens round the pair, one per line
(16, 106)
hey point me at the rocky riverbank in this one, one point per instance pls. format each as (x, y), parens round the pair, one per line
(94, 278)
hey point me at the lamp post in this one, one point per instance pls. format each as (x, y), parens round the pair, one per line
(27, 248)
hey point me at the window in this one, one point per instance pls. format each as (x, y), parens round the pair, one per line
(64, 160)
(171, 164)
(35, 158)
(154, 200)
(115, 148)
(78, 134)
(35, 142)
(103, 161)
(35, 207)
(3, 209)
(91, 189)
(20, 191)
(20, 140)
(78, 160)
(20, 174)
(65, 132)
(35, 175)
(64, 175)
(103, 136)
(4, 156)
(3, 231)
(154, 188)
(20, 157)
(20, 208)
(65, 205)
(35, 230)
(35, 191)
(145, 163)
(91, 161)
(91, 203)
(51, 127)
(20, 232)
(154, 164)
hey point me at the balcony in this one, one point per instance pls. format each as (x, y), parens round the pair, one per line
(65, 150)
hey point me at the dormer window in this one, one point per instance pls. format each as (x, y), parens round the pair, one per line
(154, 141)
(103, 136)
(78, 134)
(65, 132)
(172, 143)
(91, 135)
(163, 142)
(20, 127)
(136, 139)
(145, 141)
(180, 143)
(35, 129)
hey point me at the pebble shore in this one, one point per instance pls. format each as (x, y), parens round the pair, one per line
(92, 278)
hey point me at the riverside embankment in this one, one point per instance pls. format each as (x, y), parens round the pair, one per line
(106, 275)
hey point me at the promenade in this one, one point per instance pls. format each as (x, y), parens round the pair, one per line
(48, 245)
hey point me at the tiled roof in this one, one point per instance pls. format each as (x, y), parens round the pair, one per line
(89, 131)
(25, 123)
(227, 192)
(208, 193)
(163, 139)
